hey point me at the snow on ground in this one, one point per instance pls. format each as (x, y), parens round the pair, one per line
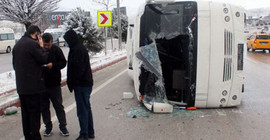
(8, 83)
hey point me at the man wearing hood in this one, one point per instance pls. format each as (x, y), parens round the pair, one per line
(79, 79)
(28, 59)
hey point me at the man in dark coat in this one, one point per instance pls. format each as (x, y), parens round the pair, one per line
(28, 58)
(52, 76)
(79, 79)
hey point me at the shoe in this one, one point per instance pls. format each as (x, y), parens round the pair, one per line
(47, 133)
(81, 137)
(91, 136)
(64, 132)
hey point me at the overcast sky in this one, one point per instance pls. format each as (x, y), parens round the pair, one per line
(132, 5)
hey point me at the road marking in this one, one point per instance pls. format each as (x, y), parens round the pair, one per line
(73, 105)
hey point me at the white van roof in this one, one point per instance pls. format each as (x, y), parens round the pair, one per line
(6, 30)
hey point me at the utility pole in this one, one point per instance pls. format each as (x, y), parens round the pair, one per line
(105, 36)
(105, 29)
(119, 26)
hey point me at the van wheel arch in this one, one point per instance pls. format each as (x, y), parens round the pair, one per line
(8, 50)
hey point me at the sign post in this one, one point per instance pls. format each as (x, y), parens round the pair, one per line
(105, 20)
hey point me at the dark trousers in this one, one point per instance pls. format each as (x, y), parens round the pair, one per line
(31, 108)
(84, 112)
(53, 94)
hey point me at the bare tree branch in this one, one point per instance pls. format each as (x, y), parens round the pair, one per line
(27, 11)
(106, 3)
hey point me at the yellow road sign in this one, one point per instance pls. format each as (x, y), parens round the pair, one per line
(104, 18)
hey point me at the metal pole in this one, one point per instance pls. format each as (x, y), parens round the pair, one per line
(105, 29)
(119, 26)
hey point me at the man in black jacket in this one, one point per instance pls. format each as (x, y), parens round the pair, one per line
(28, 58)
(79, 79)
(52, 76)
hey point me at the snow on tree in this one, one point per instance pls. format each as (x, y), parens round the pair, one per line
(27, 12)
(124, 26)
(84, 27)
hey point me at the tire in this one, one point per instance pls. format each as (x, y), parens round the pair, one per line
(248, 47)
(8, 50)
(253, 50)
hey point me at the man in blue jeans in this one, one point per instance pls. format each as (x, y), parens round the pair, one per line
(79, 79)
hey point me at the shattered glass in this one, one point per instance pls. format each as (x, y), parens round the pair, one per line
(150, 61)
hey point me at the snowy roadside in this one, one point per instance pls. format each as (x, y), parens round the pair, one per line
(8, 93)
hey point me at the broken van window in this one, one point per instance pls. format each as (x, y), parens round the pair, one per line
(168, 40)
(150, 62)
(166, 20)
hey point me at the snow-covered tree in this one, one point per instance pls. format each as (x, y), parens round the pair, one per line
(27, 12)
(83, 25)
(124, 26)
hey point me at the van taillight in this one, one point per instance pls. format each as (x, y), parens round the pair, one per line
(255, 40)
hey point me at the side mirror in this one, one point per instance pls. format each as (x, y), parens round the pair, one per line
(248, 38)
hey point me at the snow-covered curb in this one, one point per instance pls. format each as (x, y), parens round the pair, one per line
(8, 93)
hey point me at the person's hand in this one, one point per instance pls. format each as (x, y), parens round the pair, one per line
(50, 65)
(40, 41)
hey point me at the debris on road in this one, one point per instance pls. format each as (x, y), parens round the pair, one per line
(127, 95)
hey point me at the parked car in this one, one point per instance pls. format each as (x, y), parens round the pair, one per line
(7, 40)
(55, 38)
(258, 42)
(56, 33)
(62, 42)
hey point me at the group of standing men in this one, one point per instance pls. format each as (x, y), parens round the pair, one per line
(37, 64)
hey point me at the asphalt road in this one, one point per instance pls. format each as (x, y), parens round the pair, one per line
(5, 62)
(118, 119)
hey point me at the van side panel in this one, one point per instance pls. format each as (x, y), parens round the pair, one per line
(7, 42)
(203, 57)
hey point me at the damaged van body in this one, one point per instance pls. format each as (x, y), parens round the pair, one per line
(187, 53)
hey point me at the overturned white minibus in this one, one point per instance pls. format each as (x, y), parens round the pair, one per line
(187, 53)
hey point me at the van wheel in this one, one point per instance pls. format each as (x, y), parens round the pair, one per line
(253, 50)
(8, 50)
